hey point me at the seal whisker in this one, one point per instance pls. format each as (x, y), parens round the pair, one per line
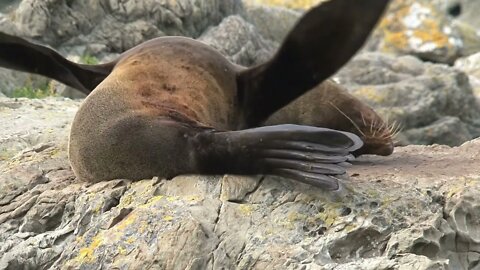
(395, 130)
(349, 119)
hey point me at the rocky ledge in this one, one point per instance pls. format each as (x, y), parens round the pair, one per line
(417, 209)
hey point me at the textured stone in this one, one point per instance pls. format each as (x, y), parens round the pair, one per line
(416, 209)
(103, 28)
(422, 29)
(239, 41)
(31, 122)
(465, 11)
(471, 66)
(11, 80)
(272, 22)
(119, 25)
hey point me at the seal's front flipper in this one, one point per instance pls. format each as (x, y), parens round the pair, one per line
(20, 54)
(322, 41)
(307, 154)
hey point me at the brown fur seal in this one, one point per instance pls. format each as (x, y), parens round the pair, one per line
(168, 106)
(330, 105)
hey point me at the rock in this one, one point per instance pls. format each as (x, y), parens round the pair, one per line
(465, 11)
(102, 29)
(7, 6)
(429, 101)
(10, 80)
(118, 25)
(380, 219)
(272, 22)
(27, 123)
(422, 29)
(239, 41)
(66, 91)
(471, 66)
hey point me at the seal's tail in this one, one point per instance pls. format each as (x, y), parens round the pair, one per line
(20, 54)
(307, 154)
(322, 41)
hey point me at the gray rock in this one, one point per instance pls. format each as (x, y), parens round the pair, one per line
(380, 219)
(27, 123)
(119, 25)
(272, 22)
(11, 80)
(239, 41)
(463, 10)
(433, 103)
(471, 66)
(103, 29)
(7, 6)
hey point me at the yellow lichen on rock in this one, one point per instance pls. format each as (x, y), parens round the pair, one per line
(168, 218)
(87, 254)
(417, 27)
(432, 32)
(246, 209)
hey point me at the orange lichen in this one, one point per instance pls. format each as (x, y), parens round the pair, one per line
(399, 36)
(430, 32)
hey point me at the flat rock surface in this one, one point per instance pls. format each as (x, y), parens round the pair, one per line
(29, 122)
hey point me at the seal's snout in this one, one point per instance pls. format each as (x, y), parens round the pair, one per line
(378, 148)
(385, 150)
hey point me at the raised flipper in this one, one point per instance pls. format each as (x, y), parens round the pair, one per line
(20, 54)
(307, 154)
(323, 40)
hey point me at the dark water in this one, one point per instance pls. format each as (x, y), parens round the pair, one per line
(8, 5)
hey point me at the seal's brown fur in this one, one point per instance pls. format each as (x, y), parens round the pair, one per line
(170, 78)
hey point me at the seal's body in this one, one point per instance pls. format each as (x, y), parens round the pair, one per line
(174, 105)
(153, 92)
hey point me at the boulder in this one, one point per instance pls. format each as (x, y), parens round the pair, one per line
(239, 41)
(422, 29)
(272, 22)
(102, 29)
(471, 66)
(465, 11)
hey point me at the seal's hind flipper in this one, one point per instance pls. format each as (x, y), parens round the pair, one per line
(323, 40)
(307, 154)
(20, 54)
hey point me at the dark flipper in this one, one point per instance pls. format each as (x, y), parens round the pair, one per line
(307, 154)
(323, 40)
(20, 54)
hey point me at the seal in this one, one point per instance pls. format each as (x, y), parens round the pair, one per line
(330, 105)
(173, 105)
